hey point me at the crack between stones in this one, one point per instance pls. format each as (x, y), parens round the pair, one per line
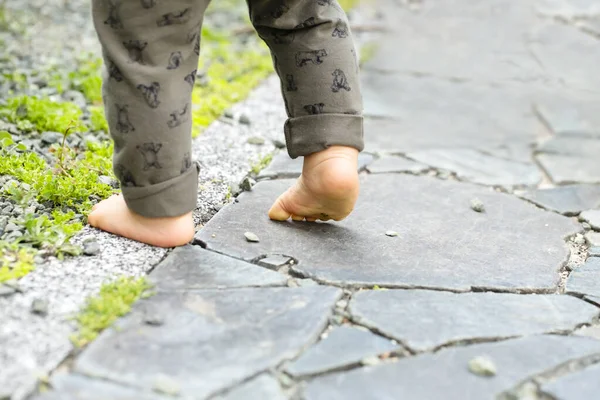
(557, 372)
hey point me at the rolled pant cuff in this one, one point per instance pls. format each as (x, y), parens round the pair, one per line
(312, 133)
(172, 198)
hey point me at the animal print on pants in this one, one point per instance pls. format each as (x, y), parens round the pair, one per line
(151, 50)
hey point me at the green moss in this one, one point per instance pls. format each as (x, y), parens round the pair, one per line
(86, 78)
(98, 120)
(367, 52)
(232, 74)
(114, 300)
(32, 113)
(348, 4)
(262, 163)
(15, 261)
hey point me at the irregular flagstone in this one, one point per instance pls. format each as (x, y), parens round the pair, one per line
(594, 251)
(589, 331)
(343, 346)
(396, 164)
(265, 387)
(564, 169)
(592, 217)
(441, 241)
(210, 340)
(568, 200)
(571, 145)
(192, 267)
(580, 385)
(78, 387)
(424, 319)
(567, 116)
(445, 374)
(283, 166)
(593, 238)
(568, 8)
(585, 280)
(481, 168)
(433, 114)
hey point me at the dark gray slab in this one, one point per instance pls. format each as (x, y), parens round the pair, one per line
(592, 217)
(568, 200)
(192, 267)
(442, 242)
(412, 114)
(343, 346)
(264, 387)
(210, 340)
(77, 387)
(580, 385)
(445, 375)
(478, 167)
(283, 166)
(585, 280)
(425, 319)
(396, 165)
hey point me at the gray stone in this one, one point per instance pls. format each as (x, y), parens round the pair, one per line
(585, 280)
(264, 387)
(445, 374)
(477, 205)
(39, 307)
(444, 243)
(478, 167)
(564, 169)
(51, 137)
(568, 200)
(10, 227)
(593, 238)
(76, 97)
(244, 119)
(589, 331)
(482, 366)
(424, 320)
(91, 248)
(257, 140)
(396, 165)
(224, 338)
(594, 251)
(77, 387)
(251, 237)
(563, 116)
(283, 166)
(247, 183)
(571, 144)
(274, 262)
(107, 180)
(191, 267)
(579, 385)
(391, 233)
(6, 291)
(592, 217)
(343, 346)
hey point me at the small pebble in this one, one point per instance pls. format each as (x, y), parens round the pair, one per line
(256, 140)
(50, 137)
(579, 239)
(477, 205)
(244, 119)
(247, 184)
(107, 180)
(39, 307)
(7, 210)
(6, 291)
(251, 237)
(153, 319)
(91, 248)
(279, 144)
(166, 385)
(482, 366)
(228, 114)
(391, 233)
(585, 225)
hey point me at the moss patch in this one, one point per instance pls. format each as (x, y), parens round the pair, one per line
(114, 300)
(31, 113)
(262, 163)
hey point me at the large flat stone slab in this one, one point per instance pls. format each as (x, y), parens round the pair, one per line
(342, 347)
(569, 199)
(445, 375)
(580, 385)
(478, 167)
(386, 165)
(264, 387)
(410, 114)
(283, 166)
(425, 319)
(574, 115)
(191, 267)
(592, 217)
(78, 387)
(209, 340)
(571, 157)
(441, 241)
(585, 280)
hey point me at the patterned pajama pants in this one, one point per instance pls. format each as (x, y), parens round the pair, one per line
(151, 50)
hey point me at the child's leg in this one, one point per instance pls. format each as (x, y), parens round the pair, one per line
(151, 54)
(315, 58)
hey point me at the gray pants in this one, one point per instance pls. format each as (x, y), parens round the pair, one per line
(151, 50)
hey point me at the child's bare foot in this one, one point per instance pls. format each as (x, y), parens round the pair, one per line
(327, 189)
(112, 215)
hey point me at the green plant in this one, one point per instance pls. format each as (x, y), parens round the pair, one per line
(262, 163)
(32, 113)
(114, 300)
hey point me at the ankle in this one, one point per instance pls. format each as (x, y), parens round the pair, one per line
(341, 152)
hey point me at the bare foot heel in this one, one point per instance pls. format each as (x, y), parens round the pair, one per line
(327, 189)
(112, 215)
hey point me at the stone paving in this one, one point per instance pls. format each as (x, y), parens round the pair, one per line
(470, 268)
